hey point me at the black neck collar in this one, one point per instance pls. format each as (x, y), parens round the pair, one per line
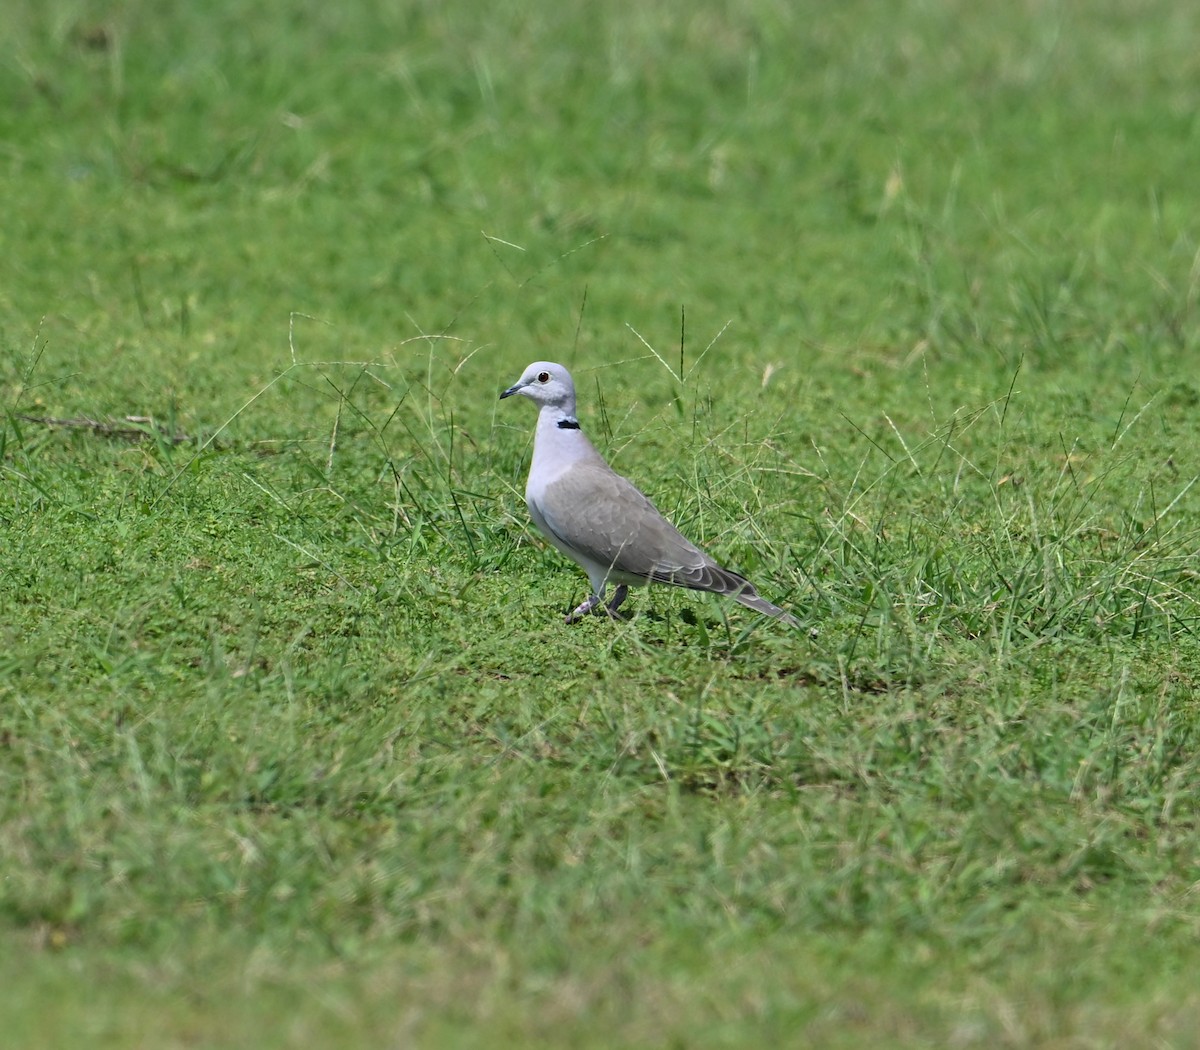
(568, 424)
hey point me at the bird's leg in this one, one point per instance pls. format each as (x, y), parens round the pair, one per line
(617, 598)
(585, 608)
(595, 604)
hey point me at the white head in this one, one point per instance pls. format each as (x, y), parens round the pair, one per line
(547, 384)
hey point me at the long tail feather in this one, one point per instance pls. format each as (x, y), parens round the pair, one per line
(752, 601)
(711, 577)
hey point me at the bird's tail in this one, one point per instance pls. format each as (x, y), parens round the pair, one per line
(711, 577)
(750, 599)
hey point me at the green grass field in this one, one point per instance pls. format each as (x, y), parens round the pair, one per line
(893, 307)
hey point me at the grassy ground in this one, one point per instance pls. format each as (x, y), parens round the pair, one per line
(893, 307)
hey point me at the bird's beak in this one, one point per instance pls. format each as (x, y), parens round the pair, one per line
(510, 391)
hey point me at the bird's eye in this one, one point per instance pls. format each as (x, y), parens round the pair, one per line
(543, 377)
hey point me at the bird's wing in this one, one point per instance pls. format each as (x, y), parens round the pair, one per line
(603, 517)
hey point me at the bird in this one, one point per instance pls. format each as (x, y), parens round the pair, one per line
(600, 520)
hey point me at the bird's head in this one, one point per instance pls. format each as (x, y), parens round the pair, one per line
(546, 383)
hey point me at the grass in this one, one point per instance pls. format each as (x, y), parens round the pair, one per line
(893, 309)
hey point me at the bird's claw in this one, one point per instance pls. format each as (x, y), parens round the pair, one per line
(595, 606)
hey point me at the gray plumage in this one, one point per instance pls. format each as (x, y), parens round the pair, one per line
(600, 520)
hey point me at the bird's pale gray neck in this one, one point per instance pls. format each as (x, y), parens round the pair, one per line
(558, 435)
(561, 416)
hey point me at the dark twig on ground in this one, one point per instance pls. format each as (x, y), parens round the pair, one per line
(131, 428)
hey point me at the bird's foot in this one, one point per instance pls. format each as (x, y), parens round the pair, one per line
(583, 610)
(595, 605)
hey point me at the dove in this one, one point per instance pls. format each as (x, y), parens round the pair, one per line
(600, 520)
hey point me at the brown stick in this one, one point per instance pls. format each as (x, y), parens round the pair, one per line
(147, 428)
